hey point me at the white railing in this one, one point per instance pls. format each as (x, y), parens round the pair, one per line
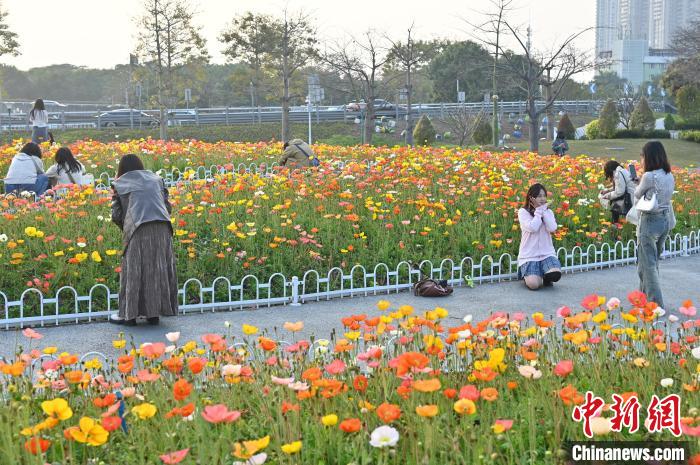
(250, 291)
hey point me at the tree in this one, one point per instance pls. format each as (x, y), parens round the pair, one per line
(424, 134)
(8, 39)
(642, 117)
(483, 132)
(493, 28)
(169, 39)
(566, 127)
(360, 62)
(294, 47)
(608, 85)
(688, 101)
(466, 62)
(550, 69)
(463, 123)
(409, 55)
(249, 39)
(609, 119)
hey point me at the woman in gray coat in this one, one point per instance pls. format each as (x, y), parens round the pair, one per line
(654, 225)
(148, 279)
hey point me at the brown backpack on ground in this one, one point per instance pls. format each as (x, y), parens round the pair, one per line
(428, 287)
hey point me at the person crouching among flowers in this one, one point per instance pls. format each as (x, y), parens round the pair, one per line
(537, 260)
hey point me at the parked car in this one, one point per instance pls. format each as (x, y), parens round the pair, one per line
(379, 105)
(123, 117)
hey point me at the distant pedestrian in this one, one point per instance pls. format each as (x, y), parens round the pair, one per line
(619, 196)
(654, 225)
(66, 170)
(148, 279)
(26, 172)
(560, 146)
(298, 153)
(39, 120)
(538, 264)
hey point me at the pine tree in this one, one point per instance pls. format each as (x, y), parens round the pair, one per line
(609, 119)
(642, 117)
(424, 132)
(566, 127)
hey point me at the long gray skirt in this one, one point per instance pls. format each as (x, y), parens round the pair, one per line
(148, 280)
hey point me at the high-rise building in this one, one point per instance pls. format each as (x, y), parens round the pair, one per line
(607, 25)
(635, 35)
(634, 20)
(667, 17)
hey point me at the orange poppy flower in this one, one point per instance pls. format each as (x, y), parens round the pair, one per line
(570, 395)
(351, 425)
(196, 364)
(360, 383)
(410, 360)
(312, 374)
(106, 401)
(427, 410)
(427, 385)
(181, 389)
(489, 394)
(388, 412)
(174, 364)
(267, 344)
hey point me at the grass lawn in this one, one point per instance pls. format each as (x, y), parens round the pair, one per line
(680, 152)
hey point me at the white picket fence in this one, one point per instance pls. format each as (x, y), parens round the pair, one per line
(194, 296)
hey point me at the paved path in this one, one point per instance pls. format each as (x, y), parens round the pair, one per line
(680, 279)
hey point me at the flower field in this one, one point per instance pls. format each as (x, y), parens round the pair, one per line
(410, 204)
(398, 386)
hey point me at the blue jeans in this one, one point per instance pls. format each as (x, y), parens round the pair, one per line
(40, 134)
(653, 229)
(41, 185)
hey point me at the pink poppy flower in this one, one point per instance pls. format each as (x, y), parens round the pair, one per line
(507, 424)
(174, 457)
(563, 312)
(282, 381)
(687, 309)
(564, 368)
(154, 350)
(31, 334)
(336, 367)
(470, 392)
(519, 316)
(220, 414)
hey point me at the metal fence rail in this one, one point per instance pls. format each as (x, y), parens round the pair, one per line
(248, 115)
(278, 289)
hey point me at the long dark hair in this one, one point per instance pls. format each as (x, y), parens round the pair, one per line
(610, 168)
(64, 159)
(128, 163)
(30, 148)
(655, 157)
(38, 106)
(533, 192)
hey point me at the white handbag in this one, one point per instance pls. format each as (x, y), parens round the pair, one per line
(633, 215)
(647, 205)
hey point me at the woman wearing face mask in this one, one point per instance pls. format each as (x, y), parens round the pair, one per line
(538, 265)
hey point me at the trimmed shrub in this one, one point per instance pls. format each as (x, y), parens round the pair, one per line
(642, 117)
(593, 129)
(483, 134)
(692, 136)
(609, 119)
(566, 127)
(424, 132)
(669, 122)
(637, 134)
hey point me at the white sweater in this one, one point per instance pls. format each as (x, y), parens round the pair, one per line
(62, 177)
(22, 169)
(40, 118)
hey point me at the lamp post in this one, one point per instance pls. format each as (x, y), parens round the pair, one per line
(494, 98)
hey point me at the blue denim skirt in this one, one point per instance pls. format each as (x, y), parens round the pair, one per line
(538, 268)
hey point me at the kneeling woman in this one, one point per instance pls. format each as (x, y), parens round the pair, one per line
(148, 279)
(537, 260)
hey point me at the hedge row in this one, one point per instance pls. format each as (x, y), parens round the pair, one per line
(207, 133)
(692, 136)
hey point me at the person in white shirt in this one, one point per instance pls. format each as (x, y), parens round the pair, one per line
(26, 172)
(66, 170)
(39, 119)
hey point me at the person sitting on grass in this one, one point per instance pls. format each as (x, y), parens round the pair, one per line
(66, 170)
(26, 172)
(298, 154)
(537, 260)
(560, 146)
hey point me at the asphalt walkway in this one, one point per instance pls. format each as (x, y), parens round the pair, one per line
(680, 278)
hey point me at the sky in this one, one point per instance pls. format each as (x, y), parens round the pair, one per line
(102, 33)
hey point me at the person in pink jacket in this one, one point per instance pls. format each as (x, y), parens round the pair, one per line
(537, 260)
